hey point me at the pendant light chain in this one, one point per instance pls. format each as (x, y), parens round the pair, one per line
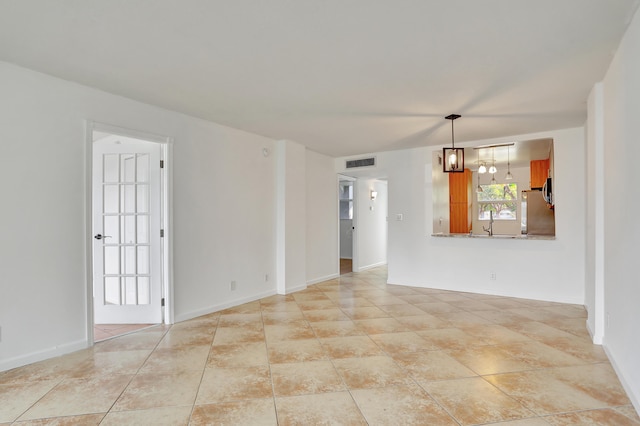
(453, 140)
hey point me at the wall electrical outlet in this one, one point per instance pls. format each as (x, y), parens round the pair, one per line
(492, 276)
(266, 277)
(233, 286)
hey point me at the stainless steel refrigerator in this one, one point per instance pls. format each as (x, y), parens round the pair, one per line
(540, 219)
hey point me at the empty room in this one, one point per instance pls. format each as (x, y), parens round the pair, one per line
(340, 212)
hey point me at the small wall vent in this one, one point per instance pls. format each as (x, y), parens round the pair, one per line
(362, 162)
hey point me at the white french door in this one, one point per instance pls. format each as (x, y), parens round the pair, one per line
(127, 280)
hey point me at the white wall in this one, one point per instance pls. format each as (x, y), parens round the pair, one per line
(621, 89)
(594, 231)
(223, 210)
(291, 220)
(371, 223)
(322, 257)
(223, 217)
(416, 258)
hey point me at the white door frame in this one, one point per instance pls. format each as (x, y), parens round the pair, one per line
(166, 144)
(354, 235)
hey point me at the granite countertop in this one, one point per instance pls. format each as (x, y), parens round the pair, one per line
(498, 236)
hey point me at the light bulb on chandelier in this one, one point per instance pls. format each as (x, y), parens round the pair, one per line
(493, 169)
(509, 176)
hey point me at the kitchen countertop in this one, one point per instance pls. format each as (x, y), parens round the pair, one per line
(498, 236)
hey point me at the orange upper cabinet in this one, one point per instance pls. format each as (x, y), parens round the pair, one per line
(539, 172)
(460, 191)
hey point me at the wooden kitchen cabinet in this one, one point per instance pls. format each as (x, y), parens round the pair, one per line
(460, 193)
(539, 172)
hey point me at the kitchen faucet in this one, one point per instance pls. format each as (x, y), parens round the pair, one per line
(490, 228)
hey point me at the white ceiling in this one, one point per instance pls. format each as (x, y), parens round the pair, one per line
(342, 77)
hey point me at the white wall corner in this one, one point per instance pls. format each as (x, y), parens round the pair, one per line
(294, 289)
(371, 266)
(280, 217)
(595, 208)
(322, 279)
(290, 216)
(322, 251)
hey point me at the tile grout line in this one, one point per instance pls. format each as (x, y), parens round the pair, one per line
(195, 398)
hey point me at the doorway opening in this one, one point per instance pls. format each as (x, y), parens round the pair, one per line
(363, 223)
(346, 200)
(129, 246)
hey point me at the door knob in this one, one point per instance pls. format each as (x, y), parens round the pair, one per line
(100, 236)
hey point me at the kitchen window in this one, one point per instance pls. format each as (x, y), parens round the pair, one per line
(499, 198)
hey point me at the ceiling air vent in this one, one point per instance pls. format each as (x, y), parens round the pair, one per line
(362, 162)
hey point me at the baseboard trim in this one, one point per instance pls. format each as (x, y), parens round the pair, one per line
(635, 399)
(595, 338)
(295, 289)
(374, 265)
(43, 354)
(215, 308)
(437, 286)
(322, 279)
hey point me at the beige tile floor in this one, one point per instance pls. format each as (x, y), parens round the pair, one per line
(348, 351)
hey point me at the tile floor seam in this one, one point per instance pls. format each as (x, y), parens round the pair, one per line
(150, 353)
(484, 423)
(195, 398)
(38, 400)
(434, 399)
(355, 401)
(121, 392)
(105, 413)
(616, 408)
(269, 363)
(535, 414)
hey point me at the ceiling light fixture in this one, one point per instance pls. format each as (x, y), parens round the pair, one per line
(453, 157)
(509, 176)
(482, 169)
(493, 169)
